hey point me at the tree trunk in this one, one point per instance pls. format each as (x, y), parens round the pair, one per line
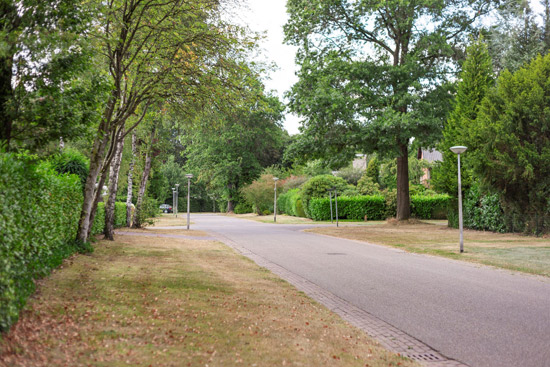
(89, 204)
(403, 202)
(108, 230)
(131, 182)
(230, 204)
(6, 100)
(98, 193)
(141, 193)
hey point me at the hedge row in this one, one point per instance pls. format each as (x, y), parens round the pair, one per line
(39, 211)
(99, 220)
(291, 203)
(355, 208)
(375, 207)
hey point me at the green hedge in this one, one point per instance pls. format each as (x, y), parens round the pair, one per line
(355, 208)
(39, 211)
(290, 203)
(99, 220)
(429, 207)
(376, 207)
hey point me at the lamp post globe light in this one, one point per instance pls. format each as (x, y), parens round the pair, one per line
(275, 200)
(189, 177)
(458, 150)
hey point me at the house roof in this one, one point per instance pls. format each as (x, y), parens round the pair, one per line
(431, 155)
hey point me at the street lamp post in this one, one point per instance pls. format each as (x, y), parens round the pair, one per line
(458, 150)
(275, 200)
(189, 177)
(177, 198)
(173, 200)
(336, 205)
(330, 203)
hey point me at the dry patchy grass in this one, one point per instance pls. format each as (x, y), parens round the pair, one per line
(288, 219)
(143, 301)
(509, 251)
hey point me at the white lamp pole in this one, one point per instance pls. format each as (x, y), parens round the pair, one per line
(177, 198)
(458, 150)
(275, 200)
(189, 177)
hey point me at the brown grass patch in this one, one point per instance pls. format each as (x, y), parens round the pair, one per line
(509, 251)
(143, 301)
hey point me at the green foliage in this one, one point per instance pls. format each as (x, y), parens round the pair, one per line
(482, 212)
(476, 79)
(243, 208)
(350, 174)
(429, 207)
(318, 187)
(354, 208)
(391, 202)
(290, 203)
(260, 193)
(373, 170)
(39, 212)
(294, 182)
(367, 186)
(512, 140)
(71, 161)
(120, 216)
(400, 48)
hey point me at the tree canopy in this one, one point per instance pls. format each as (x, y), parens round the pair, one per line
(373, 74)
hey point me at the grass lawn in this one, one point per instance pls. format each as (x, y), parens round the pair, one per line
(288, 219)
(150, 301)
(509, 251)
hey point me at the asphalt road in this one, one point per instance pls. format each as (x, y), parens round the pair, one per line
(474, 314)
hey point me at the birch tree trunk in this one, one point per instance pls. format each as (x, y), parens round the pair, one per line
(108, 230)
(144, 179)
(131, 182)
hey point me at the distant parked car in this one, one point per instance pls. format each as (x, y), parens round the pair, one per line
(165, 208)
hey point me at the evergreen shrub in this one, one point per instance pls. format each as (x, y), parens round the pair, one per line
(243, 208)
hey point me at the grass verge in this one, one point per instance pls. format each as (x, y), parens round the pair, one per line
(508, 251)
(287, 219)
(144, 301)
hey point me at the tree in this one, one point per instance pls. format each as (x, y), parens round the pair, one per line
(372, 74)
(228, 149)
(155, 50)
(49, 85)
(512, 136)
(516, 38)
(475, 81)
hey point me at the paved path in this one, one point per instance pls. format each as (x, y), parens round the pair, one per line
(439, 311)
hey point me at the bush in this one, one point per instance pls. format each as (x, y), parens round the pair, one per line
(243, 208)
(391, 202)
(354, 208)
(39, 212)
(317, 187)
(71, 161)
(259, 194)
(290, 203)
(294, 182)
(429, 207)
(367, 186)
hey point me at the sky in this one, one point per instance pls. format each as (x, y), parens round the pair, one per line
(270, 16)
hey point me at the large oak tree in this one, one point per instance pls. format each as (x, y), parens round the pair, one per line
(372, 74)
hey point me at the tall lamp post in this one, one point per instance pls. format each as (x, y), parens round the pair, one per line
(173, 200)
(177, 198)
(275, 200)
(458, 150)
(189, 177)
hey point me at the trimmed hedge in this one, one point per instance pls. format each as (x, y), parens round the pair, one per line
(99, 220)
(376, 207)
(355, 208)
(429, 207)
(39, 211)
(290, 203)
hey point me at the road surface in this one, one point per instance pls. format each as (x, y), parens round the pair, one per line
(474, 314)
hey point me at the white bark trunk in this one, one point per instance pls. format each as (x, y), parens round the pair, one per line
(131, 182)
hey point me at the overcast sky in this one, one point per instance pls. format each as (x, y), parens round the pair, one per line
(270, 16)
